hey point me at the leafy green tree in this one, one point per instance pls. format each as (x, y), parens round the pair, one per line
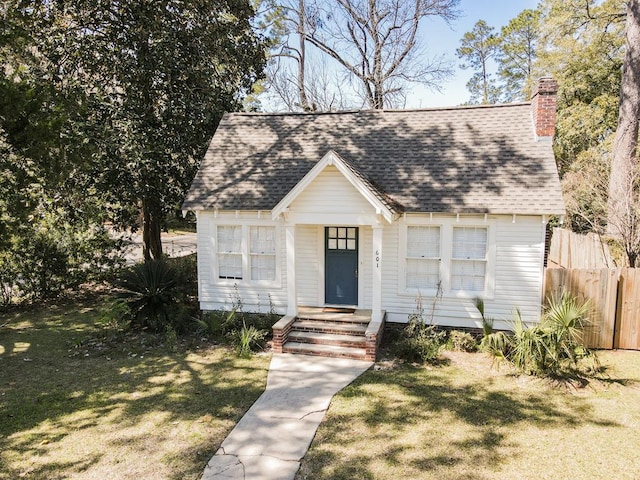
(517, 54)
(51, 231)
(157, 76)
(105, 109)
(581, 45)
(166, 71)
(477, 48)
(14, 181)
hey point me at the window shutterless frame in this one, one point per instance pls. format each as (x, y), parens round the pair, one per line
(246, 254)
(479, 267)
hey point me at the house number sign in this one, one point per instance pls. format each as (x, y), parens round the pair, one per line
(377, 258)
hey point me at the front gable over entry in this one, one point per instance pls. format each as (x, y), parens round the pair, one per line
(335, 191)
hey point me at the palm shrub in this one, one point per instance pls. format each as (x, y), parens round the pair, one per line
(498, 343)
(553, 347)
(150, 292)
(211, 323)
(220, 323)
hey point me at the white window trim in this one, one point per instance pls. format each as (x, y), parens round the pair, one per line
(250, 255)
(431, 291)
(446, 225)
(217, 253)
(245, 249)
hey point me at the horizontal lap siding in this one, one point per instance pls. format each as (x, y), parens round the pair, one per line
(365, 272)
(391, 301)
(519, 270)
(214, 296)
(331, 192)
(204, 229)
(518, 278)
(307, 264)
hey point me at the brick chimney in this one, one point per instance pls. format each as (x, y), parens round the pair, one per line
(543, 106)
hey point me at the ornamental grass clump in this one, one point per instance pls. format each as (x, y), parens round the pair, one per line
(247, 340)
(462, 341)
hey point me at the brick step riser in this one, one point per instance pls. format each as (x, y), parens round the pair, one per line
(356, 356)
(339, 343)
(327, 330)
(345, 322)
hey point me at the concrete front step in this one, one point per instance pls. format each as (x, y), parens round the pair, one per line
(324, 350)
(320, 326)
(358, 341)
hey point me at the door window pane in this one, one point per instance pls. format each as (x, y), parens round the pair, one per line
(342, 238)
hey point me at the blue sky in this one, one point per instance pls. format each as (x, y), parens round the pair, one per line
(440, 38)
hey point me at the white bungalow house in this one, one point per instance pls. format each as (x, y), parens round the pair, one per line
(374, 209)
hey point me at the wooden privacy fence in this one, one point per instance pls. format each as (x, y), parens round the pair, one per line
(614, 299)
(573, 250)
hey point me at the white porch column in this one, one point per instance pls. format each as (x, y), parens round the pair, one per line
(292, 293)
(376, 302)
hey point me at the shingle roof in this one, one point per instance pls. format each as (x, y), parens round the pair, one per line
(461, 160)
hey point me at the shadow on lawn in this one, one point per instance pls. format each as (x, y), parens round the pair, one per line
(408, 398)
(54, 394)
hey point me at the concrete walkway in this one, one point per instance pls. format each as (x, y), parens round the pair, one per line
(269, 442)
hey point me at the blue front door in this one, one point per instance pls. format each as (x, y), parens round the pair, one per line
(341, 265)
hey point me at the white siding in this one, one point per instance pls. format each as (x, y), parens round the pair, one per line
(518, 272)
(517, 253)
(214, 294)
(330, 192)
(308, 263)
(365, 271)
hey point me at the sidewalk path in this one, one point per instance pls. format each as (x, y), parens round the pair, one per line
(269, 442)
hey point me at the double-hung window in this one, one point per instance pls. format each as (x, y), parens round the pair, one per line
(246, 253)
(454, 257)
(262, 253)
(423, 257)
(469, 259)
(229, 241)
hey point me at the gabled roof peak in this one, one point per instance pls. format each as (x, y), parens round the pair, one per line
(378, 200)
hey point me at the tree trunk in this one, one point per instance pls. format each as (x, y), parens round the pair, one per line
(151, 240)
(302, 93)
(622, 214)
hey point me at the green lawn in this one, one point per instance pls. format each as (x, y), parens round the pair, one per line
(464, 420)
(76, 403)
(79, 402)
